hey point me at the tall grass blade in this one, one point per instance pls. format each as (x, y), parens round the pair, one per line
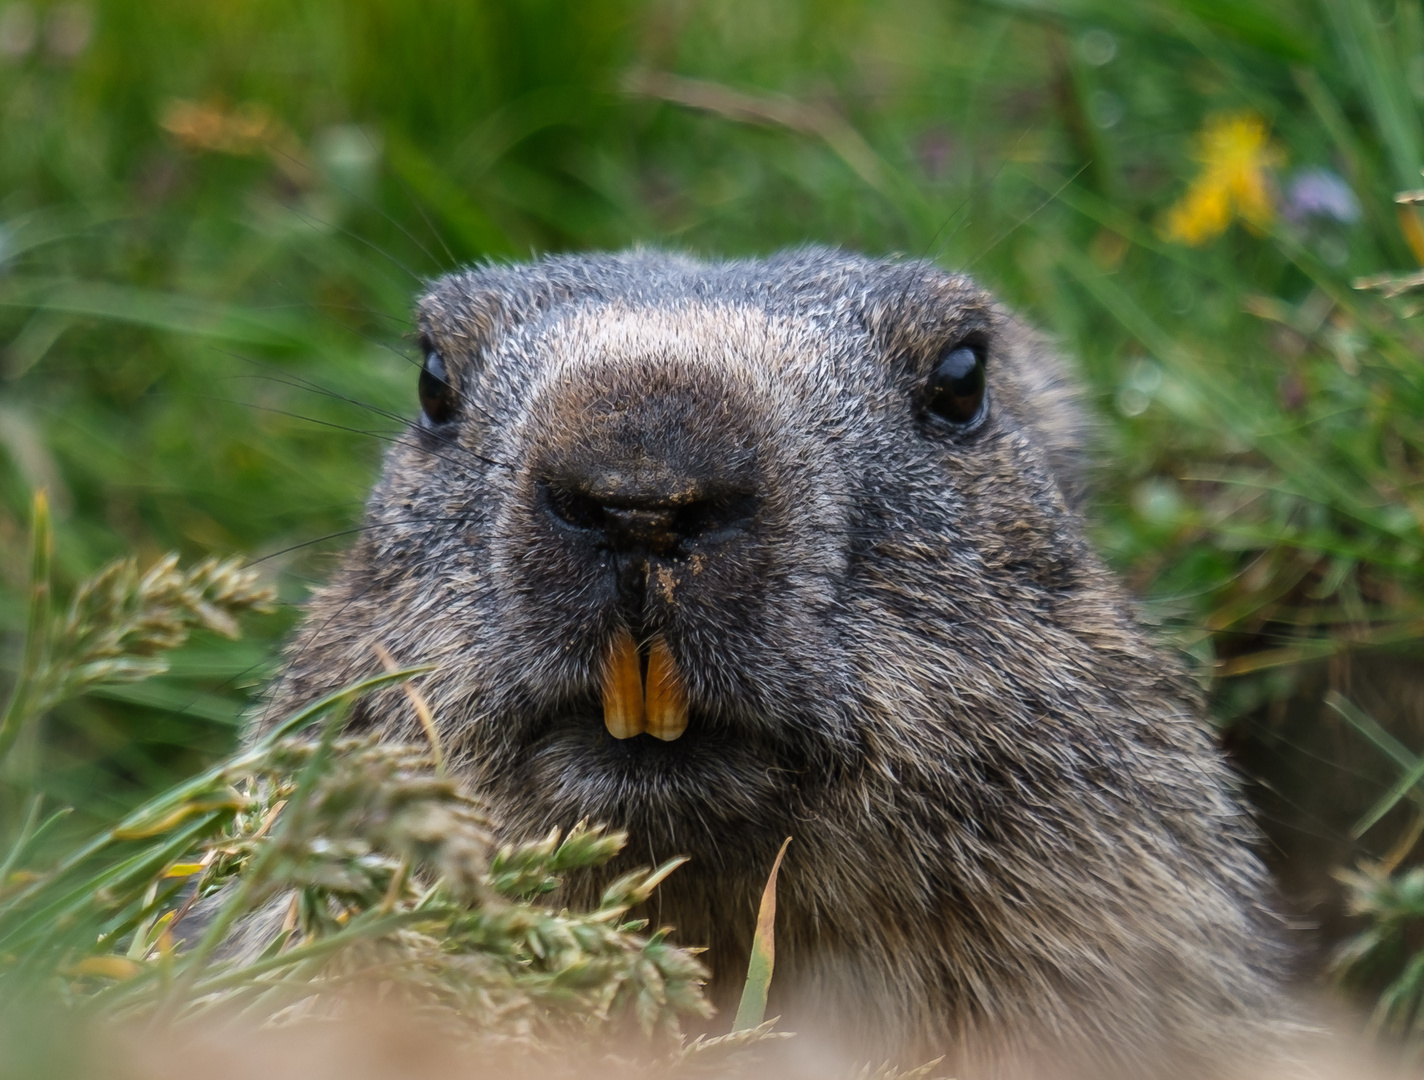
(1389, 799)
(752, 1008)
(37, 626)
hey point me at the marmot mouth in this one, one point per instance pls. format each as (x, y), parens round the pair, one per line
(643, 692)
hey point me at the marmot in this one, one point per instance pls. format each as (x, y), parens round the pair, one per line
(719, 553)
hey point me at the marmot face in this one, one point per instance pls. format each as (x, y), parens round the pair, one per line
(718, 553)
(695, 507)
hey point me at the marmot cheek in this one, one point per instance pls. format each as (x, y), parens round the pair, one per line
(642, 690)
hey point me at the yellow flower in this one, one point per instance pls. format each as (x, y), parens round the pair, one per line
(1236, 155)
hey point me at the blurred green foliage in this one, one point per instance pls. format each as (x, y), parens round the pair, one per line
(213, 219)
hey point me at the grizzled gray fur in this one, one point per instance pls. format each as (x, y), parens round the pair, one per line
(1013, 834)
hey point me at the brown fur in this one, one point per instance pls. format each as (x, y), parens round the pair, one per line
(1013, 833)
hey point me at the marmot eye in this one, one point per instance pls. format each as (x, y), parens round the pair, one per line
(438, 399)
(956, 390)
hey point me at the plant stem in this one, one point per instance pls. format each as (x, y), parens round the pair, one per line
(22, 839)
(22, 697)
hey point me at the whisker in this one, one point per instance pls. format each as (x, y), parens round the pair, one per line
(984, 185)
(363, 527)
(372, 205)
(314, 635)
(383, 344)
(403, 322)
(418, 365)
(393, 438)
(420, 209)
(930, 251)
(1028, 217)
(297, 383)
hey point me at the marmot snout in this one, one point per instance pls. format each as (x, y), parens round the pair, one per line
(719, 553)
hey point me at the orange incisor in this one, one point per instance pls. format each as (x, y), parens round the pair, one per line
(633, 705)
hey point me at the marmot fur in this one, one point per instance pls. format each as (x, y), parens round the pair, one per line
(819, 510)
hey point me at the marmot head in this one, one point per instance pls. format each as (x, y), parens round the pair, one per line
(680, 535)
(718, 553)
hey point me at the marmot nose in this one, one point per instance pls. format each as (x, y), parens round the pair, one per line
(659, 522)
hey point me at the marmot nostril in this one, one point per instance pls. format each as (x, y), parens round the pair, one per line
(630, 528)
(666, 525)
(717, 517)
(572, 507)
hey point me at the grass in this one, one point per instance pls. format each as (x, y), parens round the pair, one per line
(299, 875)
(212, 222)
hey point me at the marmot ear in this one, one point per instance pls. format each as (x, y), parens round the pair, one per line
(1051, 404)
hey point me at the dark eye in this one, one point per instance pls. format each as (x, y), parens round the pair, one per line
(438, 399)
(956, 390)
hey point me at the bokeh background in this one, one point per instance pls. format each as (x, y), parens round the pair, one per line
(214, 218)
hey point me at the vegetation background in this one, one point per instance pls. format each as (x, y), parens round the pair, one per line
(214, 217)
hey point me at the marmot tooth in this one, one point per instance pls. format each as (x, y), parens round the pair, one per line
(623, 687)
(665, 698)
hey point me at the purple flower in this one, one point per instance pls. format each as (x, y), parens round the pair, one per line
(1320, 193)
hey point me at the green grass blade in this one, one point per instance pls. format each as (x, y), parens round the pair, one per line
(167, 312)
(1389, 799)
(22, 838)
(73, 897)
(305, 716)
(157, 808)
(37, 621)
(1380, 78)
(752, 1008)
(1370, 728)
